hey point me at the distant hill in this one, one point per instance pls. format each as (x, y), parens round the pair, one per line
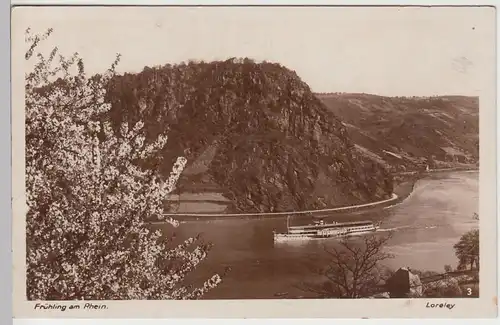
(408, 133)
(254, 132)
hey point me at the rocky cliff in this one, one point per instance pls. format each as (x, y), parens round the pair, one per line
(254, 131)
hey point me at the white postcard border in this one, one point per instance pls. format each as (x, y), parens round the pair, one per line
(485, 306)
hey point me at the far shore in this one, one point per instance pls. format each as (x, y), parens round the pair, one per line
(402, 189)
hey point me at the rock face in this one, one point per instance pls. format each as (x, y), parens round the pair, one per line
(409, 133)
(256, 132)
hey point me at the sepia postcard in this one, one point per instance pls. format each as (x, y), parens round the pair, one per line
(257, 162)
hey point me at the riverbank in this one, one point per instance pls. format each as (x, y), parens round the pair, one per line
(404, 184)
(268, 215)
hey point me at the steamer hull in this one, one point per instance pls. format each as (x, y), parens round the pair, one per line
(325, 231)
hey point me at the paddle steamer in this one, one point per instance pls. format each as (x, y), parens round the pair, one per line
(321, 230)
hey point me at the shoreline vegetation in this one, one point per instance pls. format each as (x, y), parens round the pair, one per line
(403, 187)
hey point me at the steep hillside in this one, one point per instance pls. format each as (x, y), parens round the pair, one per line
(411, 133)
(253, 131)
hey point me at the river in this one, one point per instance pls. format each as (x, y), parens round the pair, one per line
(425, 227)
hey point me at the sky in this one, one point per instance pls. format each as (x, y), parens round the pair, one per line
(385, 51)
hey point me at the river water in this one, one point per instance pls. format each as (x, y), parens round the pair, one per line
(425, 227)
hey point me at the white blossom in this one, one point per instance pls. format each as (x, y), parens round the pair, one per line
(87, 201)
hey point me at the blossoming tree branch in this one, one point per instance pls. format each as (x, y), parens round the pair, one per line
(88, 199)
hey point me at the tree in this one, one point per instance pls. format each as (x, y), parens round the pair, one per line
(444, 288)
(87, 197)
(448, 268)
(353, 269)
(467, 250)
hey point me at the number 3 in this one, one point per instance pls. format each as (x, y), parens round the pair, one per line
(469, 291)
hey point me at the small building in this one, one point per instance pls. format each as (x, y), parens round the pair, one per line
(404, 284)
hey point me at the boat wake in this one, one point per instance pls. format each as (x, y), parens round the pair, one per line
(392, 229)
(408, 227)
